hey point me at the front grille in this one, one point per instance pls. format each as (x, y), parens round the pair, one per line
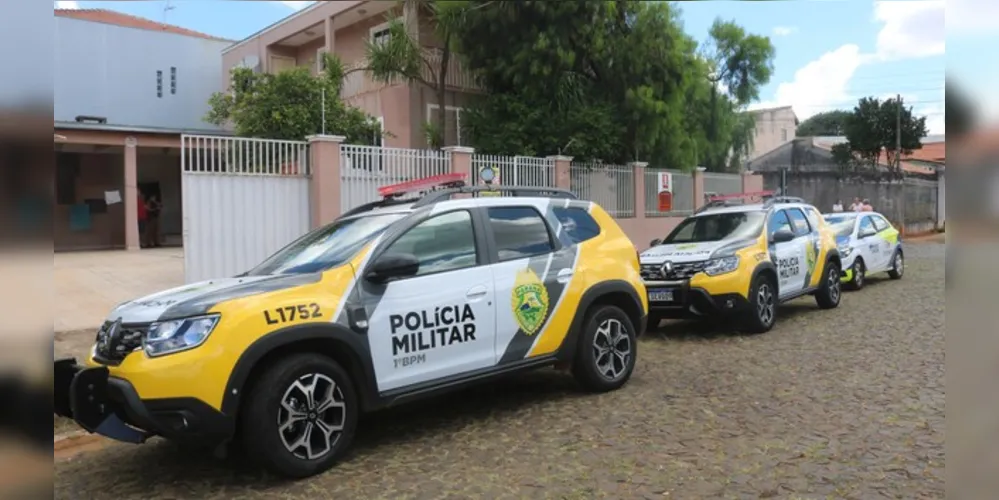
(679, 271)
(114, 348)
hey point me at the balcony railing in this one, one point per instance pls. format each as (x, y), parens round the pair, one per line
(360, 81)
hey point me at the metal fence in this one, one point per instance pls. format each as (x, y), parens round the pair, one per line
(516, 170)
(683, 193)
(241, 155)
(363, 169)
(611, 186)
(716, 183)
(242, 200)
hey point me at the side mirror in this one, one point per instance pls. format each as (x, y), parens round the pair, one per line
(655, 242)
(390, 267)
(782, 236)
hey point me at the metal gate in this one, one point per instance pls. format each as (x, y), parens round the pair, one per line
(243, 199)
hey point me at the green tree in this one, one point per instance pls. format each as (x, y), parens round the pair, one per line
(289, 105)
(873, 132)
(825, 123)
(741, 63)
(607, 80)
(401, 56)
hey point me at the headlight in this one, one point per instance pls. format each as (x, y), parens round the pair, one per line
(169, 337)
(845, 251)
(723, 265)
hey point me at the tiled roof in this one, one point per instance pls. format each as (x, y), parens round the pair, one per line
(117, 18)
(935, 152)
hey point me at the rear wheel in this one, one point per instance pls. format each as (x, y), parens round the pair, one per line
(606, 350)
(897, 266)
(301, 416)
(859, 275)
(828, 295)
(762, 313)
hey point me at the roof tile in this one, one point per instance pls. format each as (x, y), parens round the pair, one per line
(119, 19)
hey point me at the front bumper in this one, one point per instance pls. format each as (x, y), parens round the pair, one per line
(111, 407)
(693, 302)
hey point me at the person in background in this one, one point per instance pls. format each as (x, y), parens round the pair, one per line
(866, 207)
(153, 207)
(143, 216)
(838, 206)
(856, 205)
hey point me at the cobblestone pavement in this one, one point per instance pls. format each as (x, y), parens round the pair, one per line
(844, 403)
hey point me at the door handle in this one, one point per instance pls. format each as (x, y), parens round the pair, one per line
(564, 275)
(476, 292)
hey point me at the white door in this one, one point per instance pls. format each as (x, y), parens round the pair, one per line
(441, 322)
(530, 279)
(872, 247)
(790, 256)
(807, 234)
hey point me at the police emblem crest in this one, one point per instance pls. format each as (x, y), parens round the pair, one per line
(530, 301)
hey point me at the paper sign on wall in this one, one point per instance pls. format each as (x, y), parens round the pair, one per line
(112, 197)
(665, 192)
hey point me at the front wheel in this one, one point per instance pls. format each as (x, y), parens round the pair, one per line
(859, 275)
(300, 416)
(606, 353)
(828, 295)
(762, 313)
(897, 266)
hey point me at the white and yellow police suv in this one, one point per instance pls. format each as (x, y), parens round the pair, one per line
(732, 259)
(868, 244)
(394, 301)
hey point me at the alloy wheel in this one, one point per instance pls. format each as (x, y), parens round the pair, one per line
(311, 417)
(765, 304)
(612, 349)
(899, 263)
(858, 273)
(833, 283)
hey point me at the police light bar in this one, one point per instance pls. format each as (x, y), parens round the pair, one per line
(443, 181)
(736, 196)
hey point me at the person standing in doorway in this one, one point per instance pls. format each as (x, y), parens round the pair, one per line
(838, 206)
(153, 207)
(142, 216)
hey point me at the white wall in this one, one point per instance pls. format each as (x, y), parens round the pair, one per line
(110, 71)
(768, 136)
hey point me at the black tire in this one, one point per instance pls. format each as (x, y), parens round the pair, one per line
(859, 275)
(762, 313)
(898, 266)
(829, 293)
(598, 330)
(261, 434)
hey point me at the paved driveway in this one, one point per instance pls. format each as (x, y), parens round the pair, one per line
(89, 284)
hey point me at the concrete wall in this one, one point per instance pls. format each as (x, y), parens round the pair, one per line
(919, 209)
(110, 71)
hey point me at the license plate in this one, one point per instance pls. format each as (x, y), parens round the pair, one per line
(660, 295)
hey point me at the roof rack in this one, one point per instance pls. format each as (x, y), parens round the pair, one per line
(730, 200)
(782, 199)
(445, 194)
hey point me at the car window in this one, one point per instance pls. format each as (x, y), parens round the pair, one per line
(717, 227)
(866, 225)
(842, 225)
(777, 222)
(799, 222)
(326, 247)
(577, 224)
(519, 232)
(813, 217)
(879, 223)
(441, 243)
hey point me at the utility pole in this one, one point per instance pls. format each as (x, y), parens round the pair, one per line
(898, 152)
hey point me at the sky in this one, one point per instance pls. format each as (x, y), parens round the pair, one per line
(829, 53)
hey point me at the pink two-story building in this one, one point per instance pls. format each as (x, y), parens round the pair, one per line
(342, 28)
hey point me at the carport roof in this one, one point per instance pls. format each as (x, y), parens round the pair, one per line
(101, 127)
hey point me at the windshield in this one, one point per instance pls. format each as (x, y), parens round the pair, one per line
(842, 225)
(717, 227)
(326, 247)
